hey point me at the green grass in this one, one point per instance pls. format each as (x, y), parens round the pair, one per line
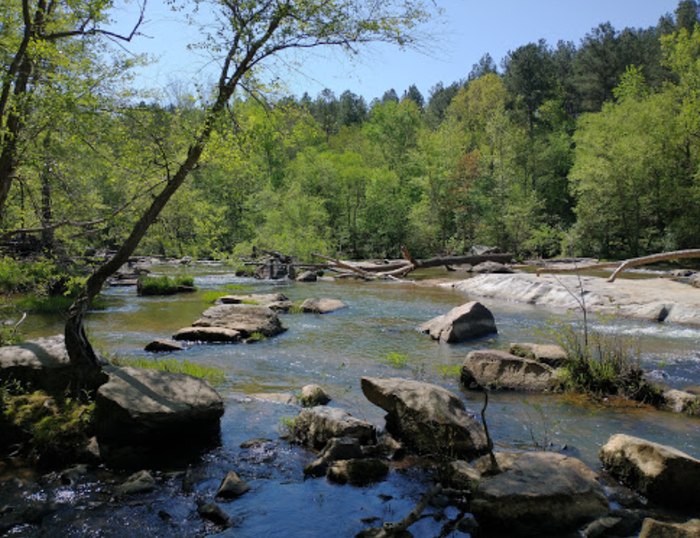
(164, 285)
(52, 304)
(212, 296)
(397, 360)
(236, 287)
(450, 370)
(210, 374)
(255, 337)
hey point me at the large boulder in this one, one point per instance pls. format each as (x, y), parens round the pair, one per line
(43, 363)
(471, 320)
(551, 354)
(244, 318)
(315, 426)
(322, 305)
(536, 493)
(275, 301)
(659, 472)
(501, 370)
(651, 528)
(151, 408)
(427, 418)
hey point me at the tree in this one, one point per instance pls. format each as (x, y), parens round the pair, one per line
(247, 34)
(414, 94)
(484, 66)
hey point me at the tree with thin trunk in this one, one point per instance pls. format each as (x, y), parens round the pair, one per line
(247, 34)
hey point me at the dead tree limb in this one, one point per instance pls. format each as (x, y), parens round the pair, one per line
(661, 257)
(347, 266)
(394, 530)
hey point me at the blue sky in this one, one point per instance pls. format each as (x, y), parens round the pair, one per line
(458, 39)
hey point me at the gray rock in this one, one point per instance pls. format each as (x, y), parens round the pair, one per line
(163, 346)
(153, 407)
(307, 276)
(501, 370)
(427, 418)
(358, 472)
(491, 267)
(43, 363)
(207, 334)
(139, 482)
(315, 426)
(232, 486)
(246, 319)
(322, 305)
(214, 513)
(312, 395)
(471, 320)
(551, 354)
(275, 301)
(652, 528)
(537, 493)
(680, 401)
(283, 398)
(659, 472)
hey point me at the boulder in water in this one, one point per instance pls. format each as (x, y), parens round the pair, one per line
(322, 305)
(471, 320)
(315, 426)
(501, 370)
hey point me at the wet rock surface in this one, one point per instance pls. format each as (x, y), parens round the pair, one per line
(315, 426)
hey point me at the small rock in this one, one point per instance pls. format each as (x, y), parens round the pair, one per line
(322, 306)
(73, 474)
(471, 320)
(315, 426)
(312, 395)
(680, 401)
(139, 482)
(651, 528)
(551, 354)
(214, 513)
(307, 276)
(163, 346)
(232, 486)
(343, 448)
(659, 472)
(358, 472)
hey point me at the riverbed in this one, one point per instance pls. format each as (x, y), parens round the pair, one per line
(376, 335)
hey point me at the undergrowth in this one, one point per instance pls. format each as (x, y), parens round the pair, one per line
(164, 285)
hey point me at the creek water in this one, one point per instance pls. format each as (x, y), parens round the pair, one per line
(376, 335)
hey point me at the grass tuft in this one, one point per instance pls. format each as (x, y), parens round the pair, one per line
(164, 285)
(210, 374)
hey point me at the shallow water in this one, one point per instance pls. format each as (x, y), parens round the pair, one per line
(376, 335)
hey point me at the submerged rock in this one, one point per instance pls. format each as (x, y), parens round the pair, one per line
(427, 418)
(151, 408)
(471, 320)
(537, 493)
(659, 472)
(315, 426)
(322, 305)
(550, 354)
(501, 370)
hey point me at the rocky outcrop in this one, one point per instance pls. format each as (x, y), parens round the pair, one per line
(322, 305)
(313, 395)
(536, 493)
(659, 472)
(275, 301)
(650, 299)
(43, 363)
(551, 354)
(471, 320)
(427, 418)
(231, 322)
(315, 426)
(651, 528)
(150, 408)
(500, 370)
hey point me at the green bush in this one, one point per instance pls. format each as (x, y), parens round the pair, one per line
(164, 285)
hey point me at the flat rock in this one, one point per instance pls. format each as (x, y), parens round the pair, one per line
(43, 363)
(232, 486)
(537, 493)
(315, 426)
(139, 406)
(501, 370)
(471, 320)
(207, 334)
(427, 418)
(652, 528)
(275, 301)
(246, 319)
(163, 346)
(659, 472)
(322, 305)
(551, 354)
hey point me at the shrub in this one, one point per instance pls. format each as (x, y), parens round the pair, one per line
(164, 285)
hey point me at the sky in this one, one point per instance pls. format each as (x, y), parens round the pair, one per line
(456, 40)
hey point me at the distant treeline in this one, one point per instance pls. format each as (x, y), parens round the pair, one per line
(589, 148)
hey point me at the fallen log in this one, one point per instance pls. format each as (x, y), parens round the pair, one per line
(471, 259)
(661, 257)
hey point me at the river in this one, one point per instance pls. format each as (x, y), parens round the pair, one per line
(376, 335)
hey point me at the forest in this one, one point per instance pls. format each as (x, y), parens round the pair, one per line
(560, 149)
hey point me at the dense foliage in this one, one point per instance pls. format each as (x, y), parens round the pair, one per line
(568, 149)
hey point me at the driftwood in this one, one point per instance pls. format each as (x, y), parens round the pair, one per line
(472, 259)
(661, 257)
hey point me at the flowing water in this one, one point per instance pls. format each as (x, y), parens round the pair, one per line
(376, 335)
